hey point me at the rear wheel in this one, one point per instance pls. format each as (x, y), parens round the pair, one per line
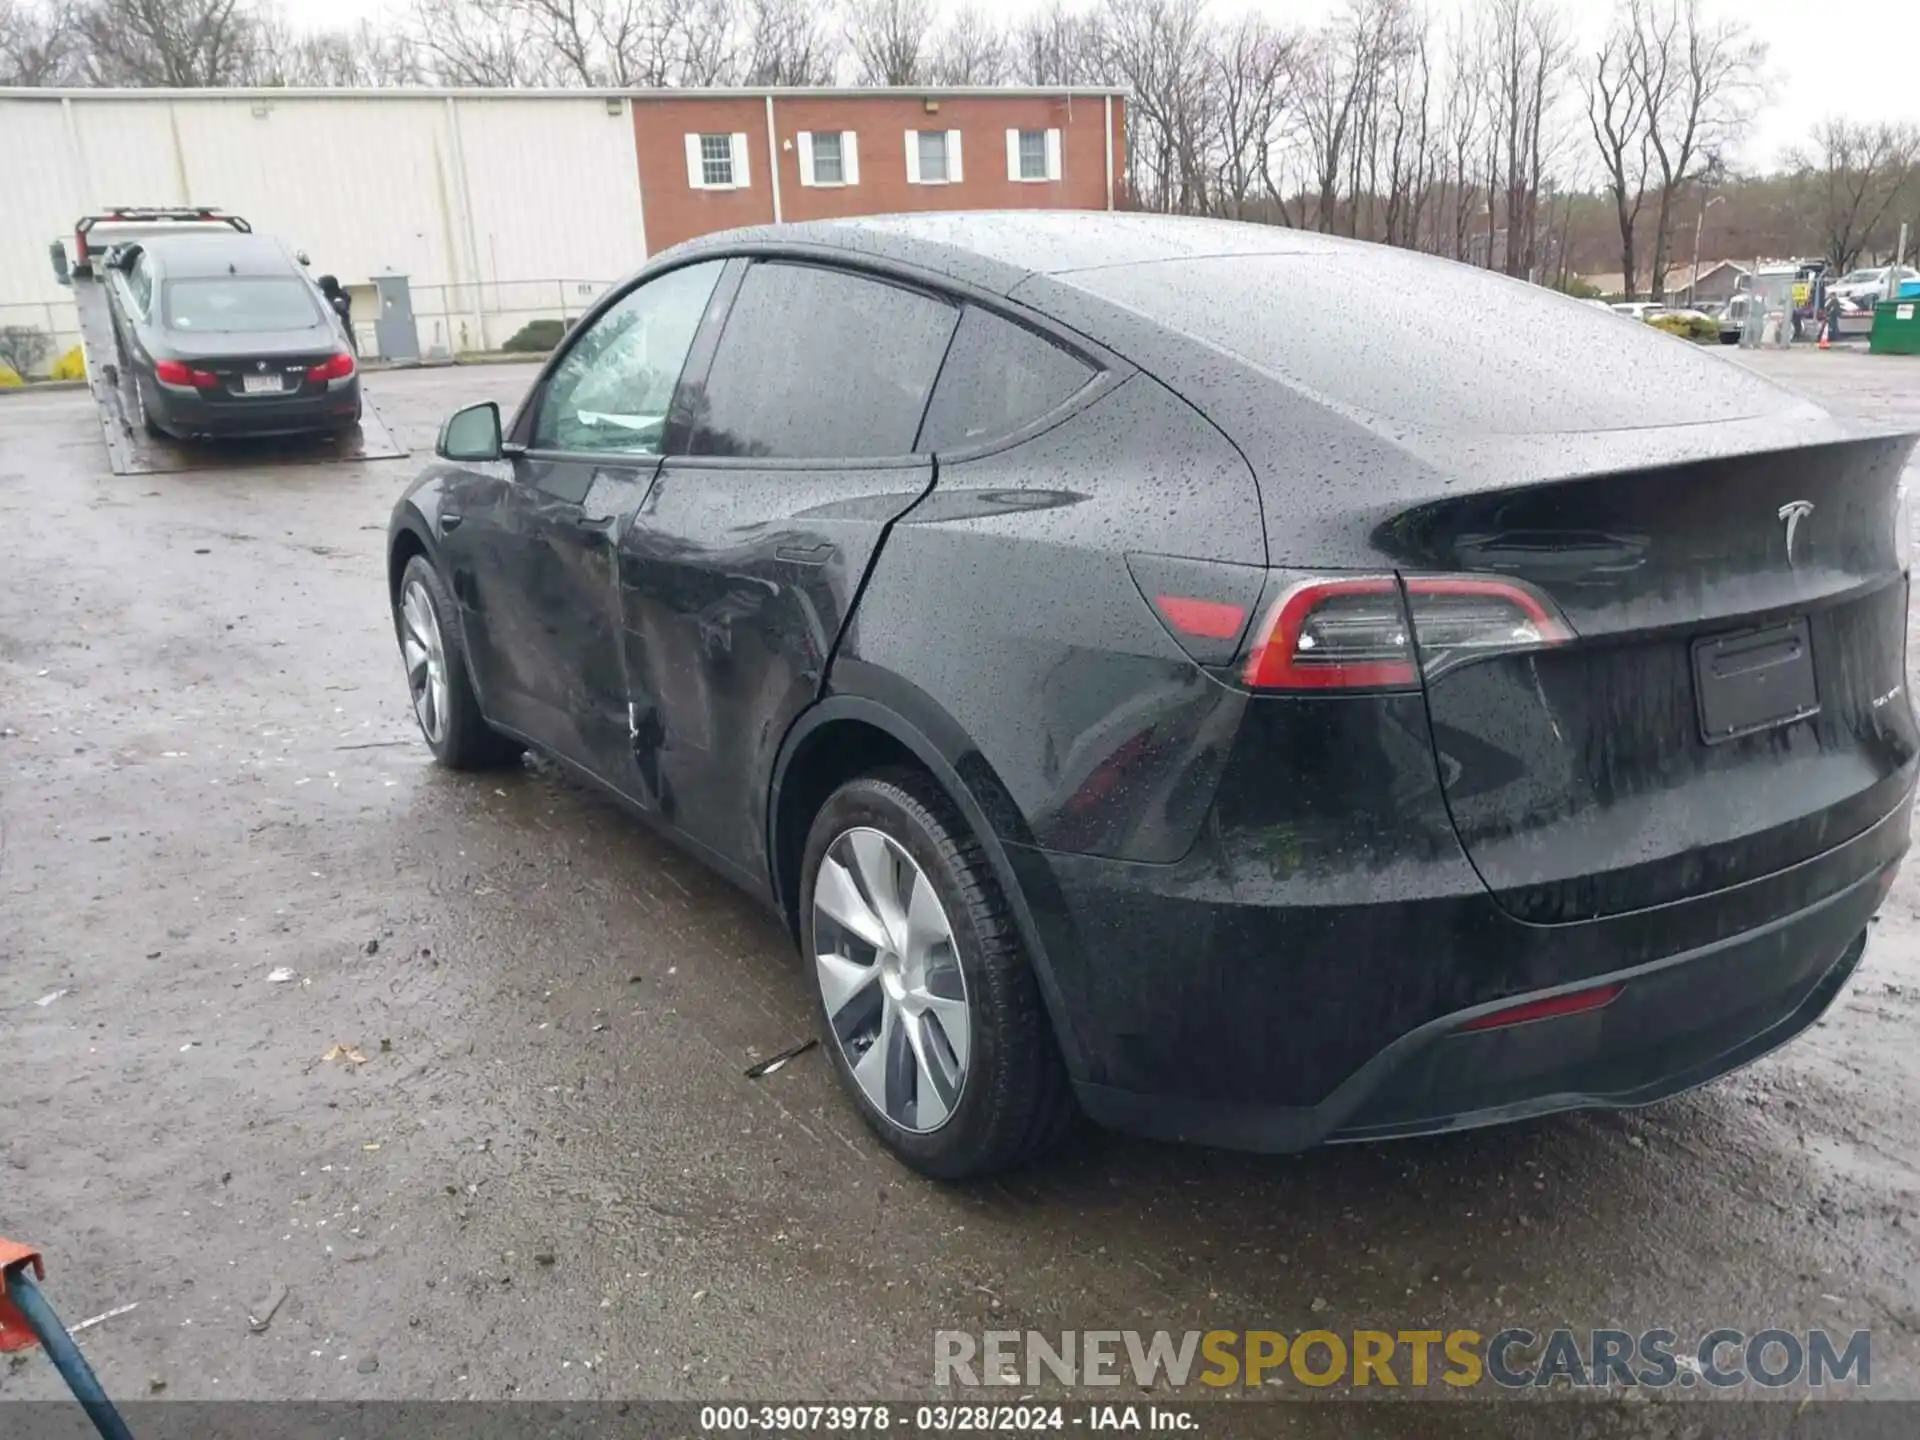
(437, 680)
(147, 421)
(927, 1006)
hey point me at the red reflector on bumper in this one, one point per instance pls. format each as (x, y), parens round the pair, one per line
(1206, 619)
(1555, 1005)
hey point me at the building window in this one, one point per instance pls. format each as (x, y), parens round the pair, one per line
(1033, 155)
(826, 158)
(717, 162)
(933, 157)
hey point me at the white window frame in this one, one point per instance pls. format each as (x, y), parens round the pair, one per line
(696, 165)
(1013, 158)
(849, 161)
(956, 173)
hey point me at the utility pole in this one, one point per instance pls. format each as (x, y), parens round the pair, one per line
(1699, 223)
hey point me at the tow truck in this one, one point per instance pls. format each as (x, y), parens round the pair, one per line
(131, 450)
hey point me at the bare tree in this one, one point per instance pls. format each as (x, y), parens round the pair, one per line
(1617, 114)
(483, 42)
(1852, 179)
(1698, 82)
(1058, 46)
(787, 42)
(1462, 121)
(1332, 81)
(1251, 72)
(890, 39)
(1529, 51)
(358, 58)
(37, 44)
(183, 43)
(970, 49)
(1159, 50)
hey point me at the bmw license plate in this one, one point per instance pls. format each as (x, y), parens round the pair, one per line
(262, 384)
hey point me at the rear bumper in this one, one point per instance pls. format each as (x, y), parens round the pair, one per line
(184, 412)
(1276, 1046)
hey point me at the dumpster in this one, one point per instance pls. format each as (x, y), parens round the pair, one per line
(1896, 328)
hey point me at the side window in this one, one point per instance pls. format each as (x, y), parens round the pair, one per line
(998, 377)
(819, 364)
(140, 285)
(611, 392)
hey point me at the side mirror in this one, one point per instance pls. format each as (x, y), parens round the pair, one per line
(58, 251)
(471, 434)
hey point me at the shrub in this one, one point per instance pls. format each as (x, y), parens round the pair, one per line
(536, 337)
(70, 366)
(22, 347)
(1687, 327)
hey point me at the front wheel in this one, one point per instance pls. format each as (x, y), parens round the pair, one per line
(927, 1006)
(437, 680)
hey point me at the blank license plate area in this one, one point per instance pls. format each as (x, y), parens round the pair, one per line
(262, 384)
(1754, 680)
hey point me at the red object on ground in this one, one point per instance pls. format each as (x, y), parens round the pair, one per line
(15, 1333)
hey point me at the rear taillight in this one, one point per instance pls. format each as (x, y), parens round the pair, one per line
(1377, 632)
(176, 372)
(338, 367)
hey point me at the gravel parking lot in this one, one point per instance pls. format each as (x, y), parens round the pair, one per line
(457, 1061)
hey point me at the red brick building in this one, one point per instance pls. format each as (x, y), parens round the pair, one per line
(704, 156)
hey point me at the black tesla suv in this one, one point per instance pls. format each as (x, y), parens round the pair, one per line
(1146, 691)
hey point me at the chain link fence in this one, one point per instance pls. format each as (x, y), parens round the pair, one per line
(468, 319)
(34, 335)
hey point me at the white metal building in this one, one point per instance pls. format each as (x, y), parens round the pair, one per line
(499, 206)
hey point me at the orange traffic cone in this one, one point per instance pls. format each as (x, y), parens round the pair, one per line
(1825, 326)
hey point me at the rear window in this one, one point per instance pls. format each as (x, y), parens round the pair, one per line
(235, 304)
(998, 377)
(1425, 343)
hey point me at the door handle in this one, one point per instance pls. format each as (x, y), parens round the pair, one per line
(599, 524)
(450, 520)
(804, 554)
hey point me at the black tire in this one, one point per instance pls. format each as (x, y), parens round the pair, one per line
(466, 741)
(147, 422)
(1015, 1103)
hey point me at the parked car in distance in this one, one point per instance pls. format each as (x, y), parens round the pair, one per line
(1139, 694)
(1638, 309)
(223, 333)
(1869, 285)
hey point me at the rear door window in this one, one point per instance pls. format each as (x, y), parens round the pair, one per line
(998, 377)
(819, 364)
(239, 304)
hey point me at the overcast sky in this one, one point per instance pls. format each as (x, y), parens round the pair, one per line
(1878, 78)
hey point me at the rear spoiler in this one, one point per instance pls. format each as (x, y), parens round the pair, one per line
(143, 215)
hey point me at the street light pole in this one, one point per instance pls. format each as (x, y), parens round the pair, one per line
(1699, 223)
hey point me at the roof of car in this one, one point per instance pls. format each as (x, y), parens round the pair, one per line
(218, 253)
(999, 248)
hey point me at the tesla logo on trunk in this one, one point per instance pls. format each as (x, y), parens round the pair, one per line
(1793, 512)
(262, 365)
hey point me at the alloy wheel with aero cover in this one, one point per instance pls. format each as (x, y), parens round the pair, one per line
(926, 1003)
(436, 669)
